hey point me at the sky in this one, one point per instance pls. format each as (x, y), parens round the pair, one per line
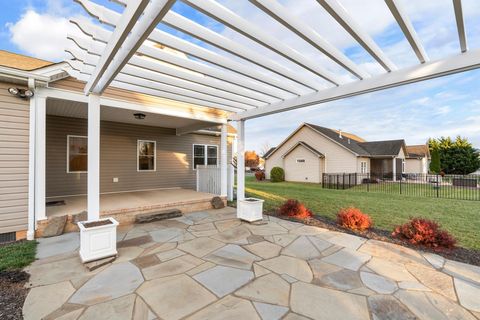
(447, 106)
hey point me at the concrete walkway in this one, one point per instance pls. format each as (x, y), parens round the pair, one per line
(209, 265)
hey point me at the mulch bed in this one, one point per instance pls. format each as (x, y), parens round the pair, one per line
(460, 254)
(12, 294)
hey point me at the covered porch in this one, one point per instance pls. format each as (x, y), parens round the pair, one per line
(387, 168)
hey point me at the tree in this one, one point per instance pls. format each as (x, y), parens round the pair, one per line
(252, 160)
(265, 148)
(456, 156)
(435, 166)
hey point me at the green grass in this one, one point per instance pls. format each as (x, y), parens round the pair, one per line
(17, 255)
(460, 217)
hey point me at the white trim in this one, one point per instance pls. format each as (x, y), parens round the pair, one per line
(154, 155)
(363, 170)
(223, 161)
(462, 37)
(113, 192)
(31, 164)
(93, 175)
(241, 160)
(40, 157)
(68, 152)
(205, 162)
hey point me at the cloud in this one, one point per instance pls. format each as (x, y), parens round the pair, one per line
(43, 34)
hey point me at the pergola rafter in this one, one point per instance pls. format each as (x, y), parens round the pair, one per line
(235, 77)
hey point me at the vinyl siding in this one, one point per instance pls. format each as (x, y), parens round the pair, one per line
(337, 158)
(416, 166)
(118, 157)
(14, 136)
(309, 171)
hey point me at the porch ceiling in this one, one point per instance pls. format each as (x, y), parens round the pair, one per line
(75, 109)
(148, 47)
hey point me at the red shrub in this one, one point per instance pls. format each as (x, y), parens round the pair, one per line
(260, 175)
(354, 219)
(293, 208)
(425, 232)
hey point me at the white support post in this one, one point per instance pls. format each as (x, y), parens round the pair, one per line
(40, 157)
(241, 160)
(93, 191)
(223, 161)
(31, 165)
(394, 169)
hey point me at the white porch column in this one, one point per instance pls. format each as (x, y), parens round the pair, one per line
(241, 160)
(40, 157)
(93, 189)
(394, 169)
(223, 161)
(31, 164)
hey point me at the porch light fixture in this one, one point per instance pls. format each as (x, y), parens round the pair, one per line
(21, 93)
(139, 116)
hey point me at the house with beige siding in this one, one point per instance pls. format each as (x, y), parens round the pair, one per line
(150, 149)
(311, 150)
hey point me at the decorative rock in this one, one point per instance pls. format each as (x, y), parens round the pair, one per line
(348, 258)
(172, 267)
(233, 255)
(223, 280)
(301, 248)
(42, 301)
(106, 285)
(121, 308)
(175, 297)
(55, 226)
(217, 203)
(231, 308)
(435, 280)
(468, 294)
(93, 265)
(378, 283)
(388, 308)
(294, 267)
(270, 311)
(201, 246)
(264, 249)
(157, 216)
(79, 217)
(322, 303)
(269, 288)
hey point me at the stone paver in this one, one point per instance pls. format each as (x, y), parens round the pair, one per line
(348, 258)
(41, 301)
(107, 284)
(322, 303)
(210, 265)
(175, 297)
(270, 289)
(233, 256)
(223, 280)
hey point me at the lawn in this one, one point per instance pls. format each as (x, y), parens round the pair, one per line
(460, 217)
(17, 255)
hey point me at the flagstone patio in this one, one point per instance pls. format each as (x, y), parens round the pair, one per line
(209, 265)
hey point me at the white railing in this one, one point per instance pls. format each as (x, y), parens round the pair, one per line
(209, 181)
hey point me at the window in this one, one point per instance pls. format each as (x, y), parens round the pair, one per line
(146, 155)
(300, 160)
(77, 155)
(205, 155)
(363, 167)
(403, 165)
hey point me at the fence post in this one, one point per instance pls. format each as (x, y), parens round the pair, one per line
(343, 181)
(400, 185)
(438, 187)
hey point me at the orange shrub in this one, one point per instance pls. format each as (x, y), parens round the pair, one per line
(293, 208)
(425, 232)
(354, 219)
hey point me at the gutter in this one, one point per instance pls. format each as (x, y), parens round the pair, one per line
(21, 75)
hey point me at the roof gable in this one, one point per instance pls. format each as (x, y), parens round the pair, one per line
(383, 148)
(306, 146)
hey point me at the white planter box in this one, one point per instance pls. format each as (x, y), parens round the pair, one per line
(250, 209)
(98, 242)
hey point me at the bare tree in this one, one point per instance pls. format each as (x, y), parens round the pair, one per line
(264, 148)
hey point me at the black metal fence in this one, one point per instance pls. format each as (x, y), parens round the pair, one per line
(462, 187)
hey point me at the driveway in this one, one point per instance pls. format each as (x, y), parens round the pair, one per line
(210, 265)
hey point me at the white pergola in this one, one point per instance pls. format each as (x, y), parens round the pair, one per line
(130, 51)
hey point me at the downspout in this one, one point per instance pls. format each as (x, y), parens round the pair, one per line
(31, 163)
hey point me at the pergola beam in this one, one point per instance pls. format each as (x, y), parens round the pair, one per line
(220, 13)
(406, 25)
(338, 12)
(308, 34)
(457, 6)
(459, 63)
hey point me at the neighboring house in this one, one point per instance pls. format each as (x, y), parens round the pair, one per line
(312, 150)
(418, 159)
(146, 143)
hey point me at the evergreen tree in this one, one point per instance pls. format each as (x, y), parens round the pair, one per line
(435, 166)
(456, 156)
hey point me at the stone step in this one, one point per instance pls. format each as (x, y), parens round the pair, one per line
(159, 215)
